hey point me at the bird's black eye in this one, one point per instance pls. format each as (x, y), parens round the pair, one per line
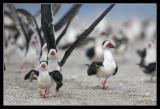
(103, 43)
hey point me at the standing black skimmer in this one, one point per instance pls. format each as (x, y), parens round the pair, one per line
(31, 57)
(107, 67)
(148, 59)
(45, 79)
(32, 74)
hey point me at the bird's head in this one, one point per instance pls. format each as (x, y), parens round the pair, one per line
(107, 44)
(34, 42)
(52, 54)
(43, 65)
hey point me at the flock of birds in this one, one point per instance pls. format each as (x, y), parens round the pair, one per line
(39, 45)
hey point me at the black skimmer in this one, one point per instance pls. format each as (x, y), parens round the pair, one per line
(31, 57)
(32, 74)
(105, 68)
(45, 79)
(148, 59)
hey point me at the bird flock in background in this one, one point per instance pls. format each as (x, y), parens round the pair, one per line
(39, 46)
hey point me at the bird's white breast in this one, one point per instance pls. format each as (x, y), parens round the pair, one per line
(31, 56)
(108, 67)
(150, 56)
(44, 80)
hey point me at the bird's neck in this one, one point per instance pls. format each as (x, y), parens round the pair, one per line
(108, 57)
(43, 72)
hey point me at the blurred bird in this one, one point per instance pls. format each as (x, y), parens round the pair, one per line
(148, 59)
(31, 57)
(133, 29)
(95, 53)
(121, 44)
(106, 68)
(150, 30)
(69, 38)
(12, 50)
(45, 79)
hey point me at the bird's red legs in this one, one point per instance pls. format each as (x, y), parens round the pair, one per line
(43, 92)
(46, 93)
(40, 92)
(21, 68)
(104, 84)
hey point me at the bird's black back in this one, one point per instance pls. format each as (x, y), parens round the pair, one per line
(56, 75)
(90, 52)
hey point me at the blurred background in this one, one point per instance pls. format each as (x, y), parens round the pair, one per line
(120, 13)
(132, 28)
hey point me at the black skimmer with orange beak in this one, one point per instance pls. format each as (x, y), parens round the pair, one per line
(31, 57)
(148, 59)
(107, 67)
